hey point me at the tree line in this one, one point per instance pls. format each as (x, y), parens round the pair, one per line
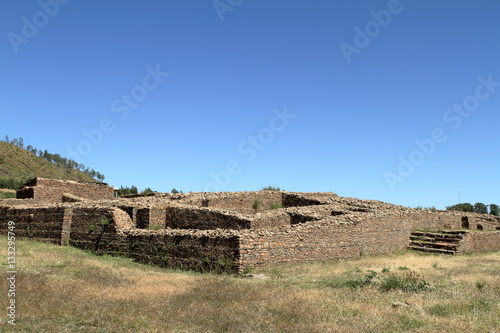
(55, 158)
(478, 207)
(134, 190)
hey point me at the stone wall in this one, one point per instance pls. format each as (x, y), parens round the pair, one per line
(52, 190)
(106, 230)
(154, 218)
(99, 229)
(195, 250)
(180, 217)
(43, 224)
(451, 220)
(323, 240)
(481, 241)
(271, 219)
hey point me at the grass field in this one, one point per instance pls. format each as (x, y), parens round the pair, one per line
(62, 289)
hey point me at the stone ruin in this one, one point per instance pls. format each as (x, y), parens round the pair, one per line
(230, 231)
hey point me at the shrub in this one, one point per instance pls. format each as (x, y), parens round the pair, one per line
(271, 188)
(409, 282)
(480, 285)
(256, 204)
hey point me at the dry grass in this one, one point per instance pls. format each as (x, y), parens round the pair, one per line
(67, 290)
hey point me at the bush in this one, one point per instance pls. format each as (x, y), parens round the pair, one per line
(409, 282)
(271, 188)
(256, 204)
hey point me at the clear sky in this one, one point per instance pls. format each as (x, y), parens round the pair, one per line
(396, 101)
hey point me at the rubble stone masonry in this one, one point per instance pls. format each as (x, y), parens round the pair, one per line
(52, 190)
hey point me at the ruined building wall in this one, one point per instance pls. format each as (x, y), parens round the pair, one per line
(111, 231)
(99, 229)
(148, 217)
(204, 218)
(51, 190)
(43, 224)
(451, 220)
(481, 241)
(197, 250)
(323, 240)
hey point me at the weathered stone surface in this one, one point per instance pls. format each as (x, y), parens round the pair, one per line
(53, 190)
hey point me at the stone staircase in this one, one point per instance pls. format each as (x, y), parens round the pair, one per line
(441, 241)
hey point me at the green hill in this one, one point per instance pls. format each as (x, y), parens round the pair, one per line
(18, 165)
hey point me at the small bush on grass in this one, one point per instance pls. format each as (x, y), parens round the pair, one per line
(409, 282)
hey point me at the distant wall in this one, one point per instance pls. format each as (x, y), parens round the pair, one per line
(151, 218)
(204, 218)
(451, 220)
(52, 190)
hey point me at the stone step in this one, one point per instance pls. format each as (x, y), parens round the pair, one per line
(435, 245)
(450, 235)
(438, 239)
(433, 250)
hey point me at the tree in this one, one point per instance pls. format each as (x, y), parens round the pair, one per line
(480, 208)
(134, 190)
(494, 210)
(461, 207)
(147, 191)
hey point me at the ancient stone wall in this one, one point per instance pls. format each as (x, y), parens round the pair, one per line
(298, 200)
(180, 217)
(98, 229)
(43, 224)
(481, 241)
(195, 250)
(271, 219)
(323, 240)
(52, 190)
(451, 220)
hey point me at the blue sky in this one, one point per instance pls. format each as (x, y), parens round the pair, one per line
(396, 101)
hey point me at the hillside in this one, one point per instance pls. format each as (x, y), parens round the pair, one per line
(19, 165)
